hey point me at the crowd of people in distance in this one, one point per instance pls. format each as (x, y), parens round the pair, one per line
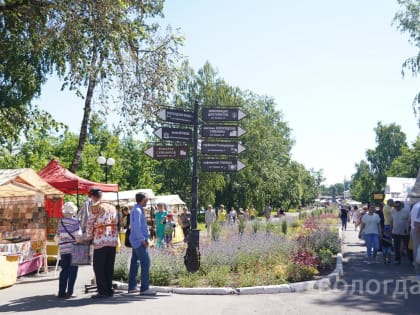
(393, 228)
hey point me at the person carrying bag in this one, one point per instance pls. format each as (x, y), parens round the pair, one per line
(66, 242)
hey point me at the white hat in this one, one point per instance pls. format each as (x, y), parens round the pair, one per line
(69, 208)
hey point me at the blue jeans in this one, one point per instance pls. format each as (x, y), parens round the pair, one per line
(68, 275)
(372, 242)
(139, 257)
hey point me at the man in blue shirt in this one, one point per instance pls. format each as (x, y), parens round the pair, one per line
(139, 239)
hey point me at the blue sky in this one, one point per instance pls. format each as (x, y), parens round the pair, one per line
(333, 67)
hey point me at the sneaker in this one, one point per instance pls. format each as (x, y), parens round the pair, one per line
(148, 292)
(133, 290)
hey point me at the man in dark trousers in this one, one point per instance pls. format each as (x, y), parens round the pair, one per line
(102, 228)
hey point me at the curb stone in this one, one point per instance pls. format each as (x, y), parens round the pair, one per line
(322, 284)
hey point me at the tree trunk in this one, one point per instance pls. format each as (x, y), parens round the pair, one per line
(86, 116)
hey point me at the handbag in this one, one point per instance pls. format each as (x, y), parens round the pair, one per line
(127, 238)
(80, 253)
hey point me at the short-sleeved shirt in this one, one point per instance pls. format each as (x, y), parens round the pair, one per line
(371, 223)
(399, 221)
(415, 214)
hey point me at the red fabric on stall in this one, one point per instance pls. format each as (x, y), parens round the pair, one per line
(67, 182)
(54, 207)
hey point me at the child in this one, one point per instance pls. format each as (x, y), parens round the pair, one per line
(169, 229)
(387, 244)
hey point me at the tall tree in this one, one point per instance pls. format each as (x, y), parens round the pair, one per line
(390, 141)
(408, 21)
(111, 44)
(408, 163)
(362, 185)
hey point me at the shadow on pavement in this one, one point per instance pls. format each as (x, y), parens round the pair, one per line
(44, 302)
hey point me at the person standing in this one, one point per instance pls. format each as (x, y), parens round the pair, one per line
(160, 217)
(267, 212)
(84, 212)
(221, 218)
(387, 212)
(415, 233)
(371, 225)
(209, 218)
(102, 228)
(68, 230)
(185, 222)
(400, 220)
(344, 218)
(139, 239)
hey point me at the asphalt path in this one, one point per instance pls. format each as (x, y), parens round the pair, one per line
(364, 288)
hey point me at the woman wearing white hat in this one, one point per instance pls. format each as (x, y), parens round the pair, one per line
(67, 230)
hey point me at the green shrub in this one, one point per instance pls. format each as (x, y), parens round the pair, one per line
(219, 276)
(121, 267)
(247, 279)
(189, 280)
(241, 225)
(295, 224)
(299, 272)
(284, 227)
(215, 231)
(255, 226)
(160, 274)
(325, 257)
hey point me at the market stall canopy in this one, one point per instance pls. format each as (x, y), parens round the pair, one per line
(67, 182)
(170, 200)
(24, 186)
(127, 196)
(415, 192)
(398, 188)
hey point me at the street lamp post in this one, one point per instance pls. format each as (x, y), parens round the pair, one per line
(106, 165)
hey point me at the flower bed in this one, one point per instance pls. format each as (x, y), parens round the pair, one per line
(262, 254)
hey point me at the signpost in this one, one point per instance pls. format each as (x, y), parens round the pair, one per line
(174, 134)
(221, 147)
(159, 152)
(222, 114)
(231, 165)
(222, 131)
(176, 116)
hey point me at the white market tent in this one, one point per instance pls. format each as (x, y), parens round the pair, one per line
(126, 197)
(172, 201)
(398, 188)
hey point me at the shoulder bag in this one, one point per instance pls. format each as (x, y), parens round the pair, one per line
(127, 233)
(80, 254)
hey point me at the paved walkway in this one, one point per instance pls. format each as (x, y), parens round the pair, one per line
(361, 290)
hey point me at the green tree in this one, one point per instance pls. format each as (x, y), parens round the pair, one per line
(362, 185)
(408, 21)
(407, 164)
(390, 141)
(107, 43)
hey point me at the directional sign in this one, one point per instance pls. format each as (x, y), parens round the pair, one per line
(232, 165)
(222, 114)
(221, 147)
(159, 152)
(223, 131)
(174, 134)
(176, 116)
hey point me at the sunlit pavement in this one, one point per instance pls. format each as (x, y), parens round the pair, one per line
(364, 288)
